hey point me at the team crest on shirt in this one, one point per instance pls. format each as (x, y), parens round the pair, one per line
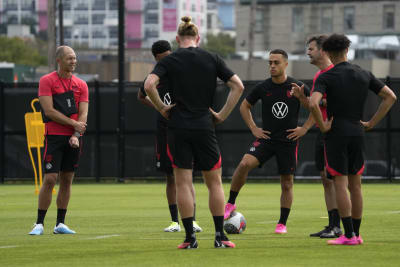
(256, 143)
(288, 93)
(280, 110)
(49, 166)
(48, 158)
(167, 99)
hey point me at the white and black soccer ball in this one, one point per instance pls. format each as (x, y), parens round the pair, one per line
(235, 224)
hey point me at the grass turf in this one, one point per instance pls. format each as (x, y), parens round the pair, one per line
(122, 225)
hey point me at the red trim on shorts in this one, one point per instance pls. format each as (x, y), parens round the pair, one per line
(170, 157)
(217, 165)
(328, 168)
(361, 170)
(297, 149)
(45, 148)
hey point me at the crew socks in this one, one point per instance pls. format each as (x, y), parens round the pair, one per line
(335, 218)
(348, 227)
(232, 196)
(40, 216)
(188, 224)
(61, 215)
(356, 226)
(219, 226)
(284, 216)
(173, 210)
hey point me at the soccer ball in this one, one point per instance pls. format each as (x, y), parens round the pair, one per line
(235, 224)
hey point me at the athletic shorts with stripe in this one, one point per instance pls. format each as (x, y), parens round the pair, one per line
(286, 154)
(188, 148)
(345, 155)
(59, 155)
(163, 163)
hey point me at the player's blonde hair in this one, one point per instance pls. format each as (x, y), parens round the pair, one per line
(187, 27)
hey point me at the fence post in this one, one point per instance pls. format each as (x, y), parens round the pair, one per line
(97, 105)
(389, 138)
(2, 158)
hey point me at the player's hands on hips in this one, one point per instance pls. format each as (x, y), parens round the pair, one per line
(217, 116)
(165, 111)
(367, 125)
(80, 126)
(260, 133)
(296, 133)
(297, 91)
(326, 126)
(74, 141)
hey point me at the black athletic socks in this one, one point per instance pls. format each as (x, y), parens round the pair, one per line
(348, 227)
(284, 216)
(173, 210)
(356, 226)
(61, 216)
(219, 225)
(335, 218)
(188, 224)
(330, 218)
(40, 216)
(232, 196)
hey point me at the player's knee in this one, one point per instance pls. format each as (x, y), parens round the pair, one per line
(50, 180)
(244, 165)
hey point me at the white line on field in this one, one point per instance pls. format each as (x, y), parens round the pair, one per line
(394, 212)
(9, 246)
(323, 217)
(102, 237)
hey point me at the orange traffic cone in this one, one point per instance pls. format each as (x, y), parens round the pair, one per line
(15, 78)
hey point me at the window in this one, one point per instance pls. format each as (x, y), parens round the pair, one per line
(98, 18)
(348, 18)
(326, 20)
(113, 5)
(388, 17)
(81, 19)
(28, 5)
(259, 23)
(98, 4)
(209, 21)
(297, 19)
(113, 31)
(151, 18)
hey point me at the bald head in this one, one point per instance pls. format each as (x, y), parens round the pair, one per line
(62, 50)
(66, 59)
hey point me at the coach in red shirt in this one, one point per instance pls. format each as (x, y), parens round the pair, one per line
(64, 99)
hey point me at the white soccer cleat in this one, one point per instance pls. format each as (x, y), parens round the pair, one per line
(37, 229)
(173, 227)
(196, 227)
(62, 229)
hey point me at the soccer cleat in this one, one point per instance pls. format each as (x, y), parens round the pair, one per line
(63, 229)
(37, 229)
(223, 243)
(280, 229)
(228, 210)
(343, 240)
(327, 229)
(360, 240)
(188, 244)
(173, 227)
(333, 232)
(196, 227)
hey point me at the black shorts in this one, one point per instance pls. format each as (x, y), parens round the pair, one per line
(344, 155)
(320, 152)
(59, 155)
(188, 148)
(286, 154)
(163, 163)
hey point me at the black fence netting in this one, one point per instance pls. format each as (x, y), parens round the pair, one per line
(100, 149)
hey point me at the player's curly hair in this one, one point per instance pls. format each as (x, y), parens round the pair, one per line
(160, 47)
(187, 27)
(336, 43)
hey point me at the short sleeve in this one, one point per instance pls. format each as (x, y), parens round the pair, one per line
(160, 69)
(320, 85)
(223, 72)
(45, 87)
(375, 85)
(255, 94)
(141, 89)
(84, 92)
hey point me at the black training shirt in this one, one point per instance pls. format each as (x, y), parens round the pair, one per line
(192, 74)
(280, 110)
(346, 86)
(165, 96)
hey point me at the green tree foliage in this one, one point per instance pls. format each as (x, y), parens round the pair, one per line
(221, 44)
(19, 51)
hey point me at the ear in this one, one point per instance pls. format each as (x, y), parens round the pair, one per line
(197, 39)
(177, 39)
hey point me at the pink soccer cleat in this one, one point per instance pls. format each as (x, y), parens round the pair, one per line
(280, 229)
(360, 240)
(228, 210)
(343, 240)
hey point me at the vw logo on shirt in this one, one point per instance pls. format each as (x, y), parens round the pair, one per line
(167, 99)
(280, 110)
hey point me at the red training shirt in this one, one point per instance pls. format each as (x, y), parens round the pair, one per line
(323, 109)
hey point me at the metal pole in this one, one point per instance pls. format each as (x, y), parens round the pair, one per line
(121, 90)
(51, 35)
(2, 161)
(61, 21)
(389, 138)
(250, 46)
(98, 125)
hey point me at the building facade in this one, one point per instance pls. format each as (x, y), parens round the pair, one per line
(287, 24)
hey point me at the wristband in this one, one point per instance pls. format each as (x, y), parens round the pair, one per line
(77, 134)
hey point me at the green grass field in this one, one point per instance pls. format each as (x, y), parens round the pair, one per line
(122, 225)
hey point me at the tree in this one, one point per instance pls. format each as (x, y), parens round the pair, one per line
(19, 51)
(221, 44)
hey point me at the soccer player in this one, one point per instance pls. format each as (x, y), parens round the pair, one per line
(192, 74)
(280, 113)
(160, 49)
(346, 87)
(63, 142)
(320, 59)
